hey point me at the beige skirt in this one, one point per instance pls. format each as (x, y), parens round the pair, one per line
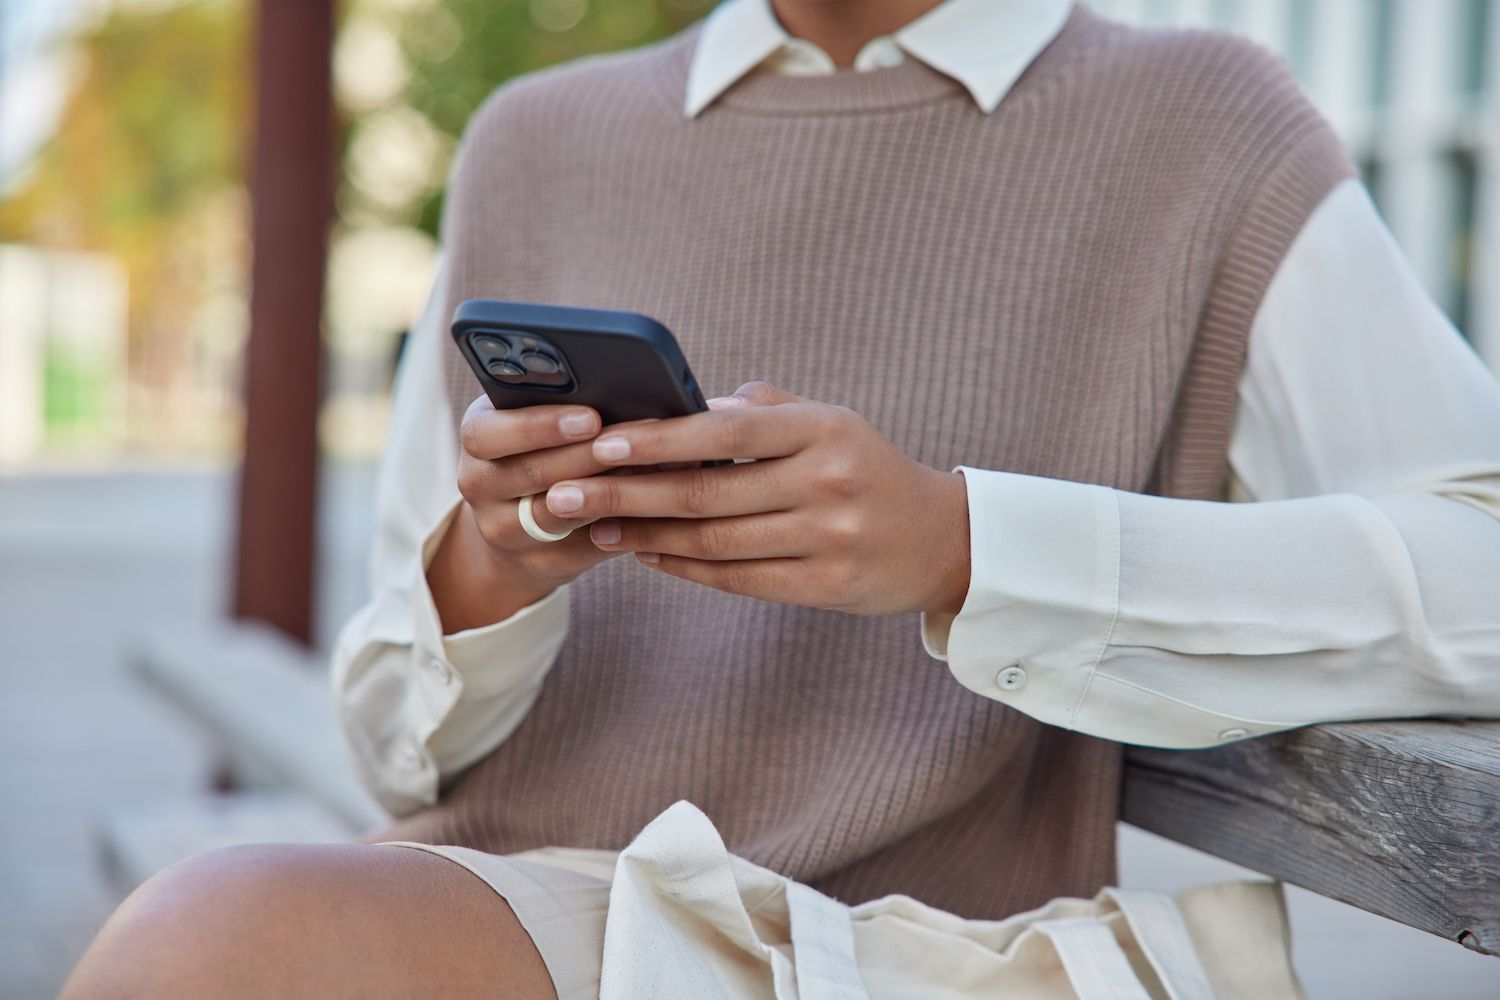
(560, 896)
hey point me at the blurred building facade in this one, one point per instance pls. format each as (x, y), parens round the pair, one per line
(1413, 88)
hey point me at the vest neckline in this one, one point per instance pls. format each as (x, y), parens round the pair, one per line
(763, 92)
(910, 83)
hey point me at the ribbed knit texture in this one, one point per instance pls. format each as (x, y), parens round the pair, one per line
(1062, 288)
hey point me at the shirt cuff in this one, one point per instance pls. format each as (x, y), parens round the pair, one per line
(480, 662)
(1043, 593)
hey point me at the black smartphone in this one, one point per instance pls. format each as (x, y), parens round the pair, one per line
(624, 365)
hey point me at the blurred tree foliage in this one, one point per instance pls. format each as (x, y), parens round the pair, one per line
(147, 163)
(460, 50)
(157, 121)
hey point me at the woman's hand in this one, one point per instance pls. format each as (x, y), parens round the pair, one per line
(830, 514)
(487, 568)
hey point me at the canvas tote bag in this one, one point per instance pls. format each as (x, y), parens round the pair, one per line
(687, 921)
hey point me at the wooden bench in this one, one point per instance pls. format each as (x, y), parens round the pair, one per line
(1398, 818)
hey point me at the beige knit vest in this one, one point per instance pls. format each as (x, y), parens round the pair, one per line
(1062, 288)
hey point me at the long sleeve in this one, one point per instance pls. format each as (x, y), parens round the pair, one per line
(1361, 579)
(417, 706)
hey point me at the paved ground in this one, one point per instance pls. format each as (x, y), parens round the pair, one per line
(88, 560)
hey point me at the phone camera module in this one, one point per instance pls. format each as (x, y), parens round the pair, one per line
(520, 359)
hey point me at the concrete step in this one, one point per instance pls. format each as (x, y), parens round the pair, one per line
(265, 702)
(139, 842)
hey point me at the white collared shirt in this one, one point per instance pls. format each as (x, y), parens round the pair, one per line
(1363, 582)
(983, 44)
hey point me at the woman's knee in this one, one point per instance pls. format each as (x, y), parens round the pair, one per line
(213, 924)
(311, 920)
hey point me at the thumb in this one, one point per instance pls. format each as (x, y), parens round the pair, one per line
(756, 393)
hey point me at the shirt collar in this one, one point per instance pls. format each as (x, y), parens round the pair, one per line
(983, 44)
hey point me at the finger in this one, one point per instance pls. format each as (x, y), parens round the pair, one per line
(736, 432)
(726, 491)
(548, 521)
(767, 579)
(500, 524)
(489, 433)
(482, 481)
(755, 536)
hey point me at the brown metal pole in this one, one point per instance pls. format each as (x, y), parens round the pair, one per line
(292, 205)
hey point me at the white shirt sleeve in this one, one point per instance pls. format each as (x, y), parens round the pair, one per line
(1363, 582)
(417, 706)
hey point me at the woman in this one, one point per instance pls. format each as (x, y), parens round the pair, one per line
(1109, 273)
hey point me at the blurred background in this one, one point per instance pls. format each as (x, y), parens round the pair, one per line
(141, 509)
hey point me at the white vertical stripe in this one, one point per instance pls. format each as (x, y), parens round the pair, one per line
(1484, 281)
(1343, 46)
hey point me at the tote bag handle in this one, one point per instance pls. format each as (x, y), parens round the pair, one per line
(823, 946)
(1095, 963)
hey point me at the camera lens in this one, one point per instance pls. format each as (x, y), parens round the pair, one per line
(505, 371)
(539, 363)
(488, 345)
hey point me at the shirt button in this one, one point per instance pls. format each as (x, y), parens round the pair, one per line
(438, 668)
(1011, 678)
(888, 57)
(1233, 734)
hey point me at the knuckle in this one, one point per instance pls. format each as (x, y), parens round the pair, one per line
(734, 578)
(699, 492)
(732, 433)
(471, 433)
(470, 479)
(638, 536)
(527, 473)
(713, 540)
(491, 526)
(844, 530)
(839, 476)
(835, 421)
(604, 496)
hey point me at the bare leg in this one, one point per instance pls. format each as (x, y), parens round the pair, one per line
(312, 921)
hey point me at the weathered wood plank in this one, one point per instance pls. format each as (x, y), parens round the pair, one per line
(1398, 818)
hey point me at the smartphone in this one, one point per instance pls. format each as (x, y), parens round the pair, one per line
(624, 365)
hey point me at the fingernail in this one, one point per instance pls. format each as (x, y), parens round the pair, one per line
(648, 557)
(611, 449)
(720, 402)
(605, 532)
(564, 499)
(577, 423)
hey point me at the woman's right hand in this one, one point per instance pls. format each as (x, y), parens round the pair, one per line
(486, 567)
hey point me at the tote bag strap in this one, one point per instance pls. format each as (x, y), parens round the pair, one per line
(823, 946)
(1095, 963)
(1156, 920)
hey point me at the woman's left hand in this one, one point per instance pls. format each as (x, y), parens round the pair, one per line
(830, 514)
